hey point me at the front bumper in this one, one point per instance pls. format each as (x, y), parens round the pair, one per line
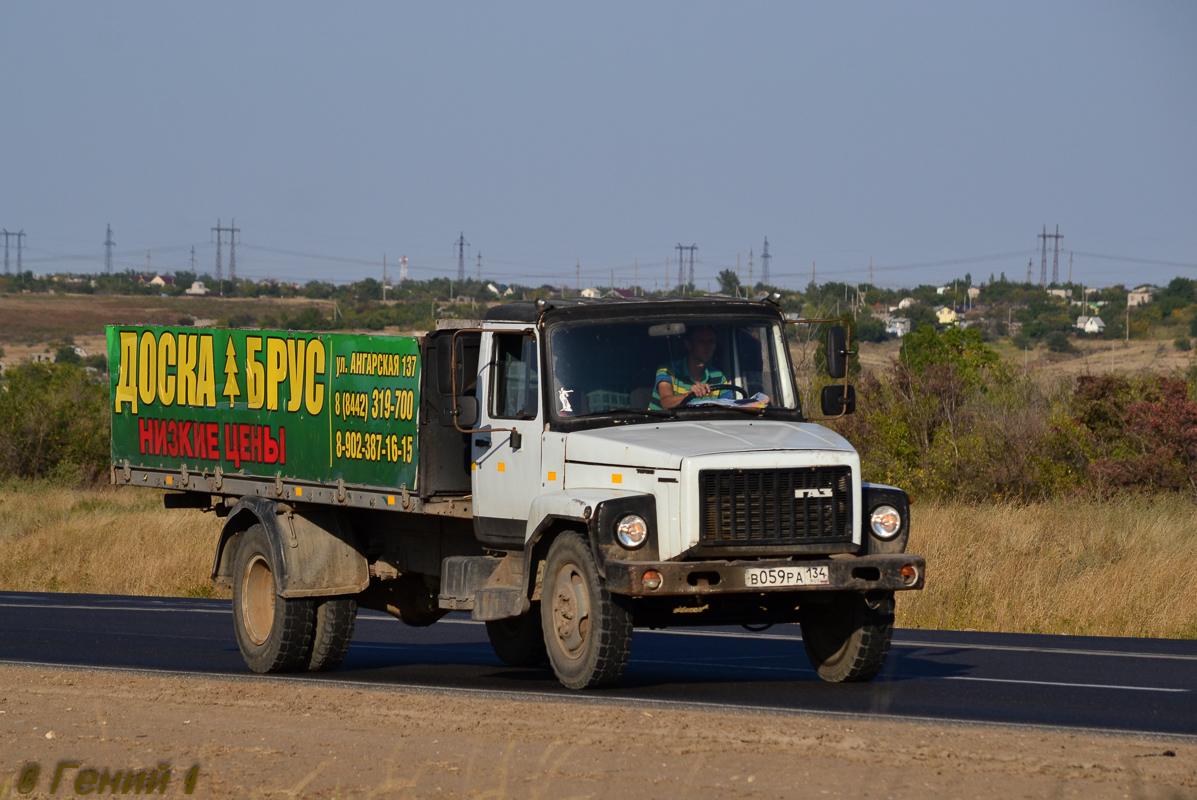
(680, 578)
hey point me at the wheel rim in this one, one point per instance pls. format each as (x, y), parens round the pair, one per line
(571, 610)
(257, 599)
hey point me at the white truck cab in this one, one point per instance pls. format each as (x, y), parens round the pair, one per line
(602, 508)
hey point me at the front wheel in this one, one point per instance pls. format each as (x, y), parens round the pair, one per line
(274, 634)
(847, 640)
(587, 630)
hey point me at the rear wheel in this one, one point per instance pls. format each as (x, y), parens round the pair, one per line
(335, 618)
(519, 641)
(587, 630)
(274, 634)
(847, 640)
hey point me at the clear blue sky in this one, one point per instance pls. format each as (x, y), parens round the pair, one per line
(912, 133)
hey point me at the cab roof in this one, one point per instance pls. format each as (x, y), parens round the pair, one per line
(527, 311)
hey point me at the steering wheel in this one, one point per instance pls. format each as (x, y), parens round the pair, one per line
(715, 388)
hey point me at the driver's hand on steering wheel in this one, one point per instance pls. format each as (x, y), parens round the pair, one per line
(700, 389)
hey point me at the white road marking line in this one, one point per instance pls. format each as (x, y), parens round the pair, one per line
(1055, 683)
(716, 634)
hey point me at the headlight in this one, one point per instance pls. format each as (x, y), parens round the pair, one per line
(632, 531)
(886, 522)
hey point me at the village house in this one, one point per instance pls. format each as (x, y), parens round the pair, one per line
(1090, 324)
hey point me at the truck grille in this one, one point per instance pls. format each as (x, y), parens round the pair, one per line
(752, 507)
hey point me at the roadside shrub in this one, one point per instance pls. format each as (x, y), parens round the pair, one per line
(1182, 343)
(53, 423)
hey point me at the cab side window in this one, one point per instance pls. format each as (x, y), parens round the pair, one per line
(514, 383)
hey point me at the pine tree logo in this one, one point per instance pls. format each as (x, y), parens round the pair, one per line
(231, 390)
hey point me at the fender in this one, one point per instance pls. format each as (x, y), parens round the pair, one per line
(596, 510)
(315, 553)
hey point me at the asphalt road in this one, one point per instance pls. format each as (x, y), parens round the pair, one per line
(1132, 685)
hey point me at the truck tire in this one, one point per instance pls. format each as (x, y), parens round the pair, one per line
(335, 618)
(587, 630)
(519, 641)
(848, 639)
(274, 633)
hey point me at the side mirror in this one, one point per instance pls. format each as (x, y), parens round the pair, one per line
(837, 353)
(838, 399)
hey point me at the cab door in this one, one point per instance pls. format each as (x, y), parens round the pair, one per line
(506, 463)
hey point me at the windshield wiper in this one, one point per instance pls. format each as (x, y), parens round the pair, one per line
(648, 412)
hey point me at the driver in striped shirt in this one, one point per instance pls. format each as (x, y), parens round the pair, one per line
(689, 377)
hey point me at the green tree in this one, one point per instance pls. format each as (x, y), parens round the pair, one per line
(729, 282)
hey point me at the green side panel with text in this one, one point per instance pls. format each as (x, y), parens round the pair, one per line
(307, 406)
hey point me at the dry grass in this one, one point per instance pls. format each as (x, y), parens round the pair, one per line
(1121, 567)
(102, 540)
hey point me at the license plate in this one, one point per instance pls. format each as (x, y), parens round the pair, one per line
(765, 577)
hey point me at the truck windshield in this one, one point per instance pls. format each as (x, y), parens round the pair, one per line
(605, 367)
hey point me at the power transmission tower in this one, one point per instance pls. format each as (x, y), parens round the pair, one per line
(1056, 256)
(681, 261)
(108, 245)
(233, 231)
(192, 260)
(20, 236)
(1043, 263)
(219, 231)
(462, 244)
(751, 285)
(765, 259)
(7, 233)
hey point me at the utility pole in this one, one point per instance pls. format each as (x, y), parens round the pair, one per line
(479, 267)
(148, 269)
(681, 267)
(384, 277)
(751, 285)
(1029, 262)
(612, 279)
(666, 275)
(871, 272)
(108, 245)
(402, 270)
(20, 238)
(765, 259)
(636, 279)
(462, 244)
(578, 277)
(1070, 266)
(192, 260)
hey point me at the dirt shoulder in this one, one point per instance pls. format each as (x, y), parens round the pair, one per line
(259, 738)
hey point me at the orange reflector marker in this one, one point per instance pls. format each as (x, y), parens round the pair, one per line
(390, 499)
(616, 478)
(909, 573)
(651, 579)
(502, 467)
(299, 491)
(474, 465)
(169, 480)
(552, 476)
